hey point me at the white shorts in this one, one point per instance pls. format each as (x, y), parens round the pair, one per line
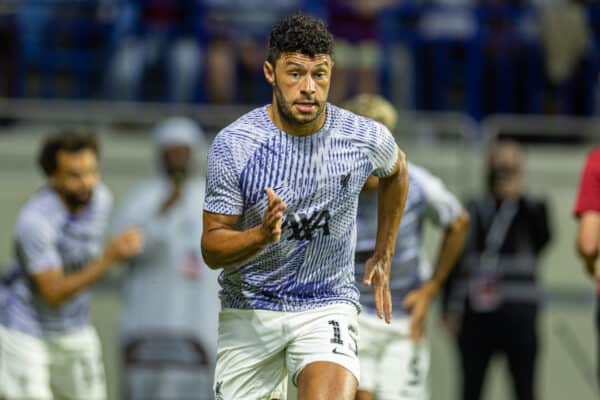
(392, 366)
(76, 369)
(24, 367)
(258, 348)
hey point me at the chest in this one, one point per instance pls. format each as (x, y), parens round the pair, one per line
(306, 172)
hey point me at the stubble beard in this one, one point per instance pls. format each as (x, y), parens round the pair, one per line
(286, 112)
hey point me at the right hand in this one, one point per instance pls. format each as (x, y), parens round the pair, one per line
(273, 218)
(125, 244)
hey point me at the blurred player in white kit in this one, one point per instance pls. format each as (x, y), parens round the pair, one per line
(169, 297)
(48, 347)
(395, 358)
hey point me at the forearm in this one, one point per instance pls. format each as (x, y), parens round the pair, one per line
(449, 251)
(64, 286)
(392, 192)
(228, 248)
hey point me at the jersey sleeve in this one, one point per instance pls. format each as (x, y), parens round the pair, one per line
(588, 197)
(223, 192)
(383, 151)
(36, 245)
(442, 206)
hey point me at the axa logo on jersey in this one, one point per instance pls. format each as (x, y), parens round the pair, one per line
(304, 226)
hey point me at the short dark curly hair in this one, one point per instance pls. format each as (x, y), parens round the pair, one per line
(68, 140)
(299, 33)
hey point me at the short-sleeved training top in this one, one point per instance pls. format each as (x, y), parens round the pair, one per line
(319, 177)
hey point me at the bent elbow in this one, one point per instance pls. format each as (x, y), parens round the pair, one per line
(209, 256)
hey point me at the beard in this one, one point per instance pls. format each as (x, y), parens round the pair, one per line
(286, 111)
(77, 200)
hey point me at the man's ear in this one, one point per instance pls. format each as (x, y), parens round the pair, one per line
(269, 71)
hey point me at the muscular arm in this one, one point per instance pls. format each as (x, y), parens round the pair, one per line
(391, 199)
(225, 247)
(588, 239)
(450, 248)
(56, 287)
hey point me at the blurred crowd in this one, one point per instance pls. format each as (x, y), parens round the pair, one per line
(480, 56)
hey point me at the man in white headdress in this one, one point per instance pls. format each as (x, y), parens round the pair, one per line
(170, 302)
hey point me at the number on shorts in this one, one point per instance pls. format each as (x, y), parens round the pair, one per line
(413, 367)
(337, 337)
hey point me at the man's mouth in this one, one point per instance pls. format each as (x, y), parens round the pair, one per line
(306, 106)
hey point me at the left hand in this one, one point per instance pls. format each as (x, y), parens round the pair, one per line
(418, 302)
(377, 274)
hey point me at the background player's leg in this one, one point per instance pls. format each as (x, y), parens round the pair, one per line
(324, 380)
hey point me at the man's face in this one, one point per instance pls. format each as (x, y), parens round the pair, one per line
(301, 86)
(506, 170)
(76, 176)
(176, 161)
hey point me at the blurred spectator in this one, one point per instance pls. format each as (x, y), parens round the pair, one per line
(236, 33)
(155, 38)
(587, 210)
(170, 302)
(357, 48)
(63, 46)
(9, 49)
(567, 41)
(493, 297)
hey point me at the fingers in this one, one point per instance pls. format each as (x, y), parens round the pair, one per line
(128, 243)
(273, 217)
(378, 293)
(387, 304)
(369, 272)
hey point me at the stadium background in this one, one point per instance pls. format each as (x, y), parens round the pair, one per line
(50, 84)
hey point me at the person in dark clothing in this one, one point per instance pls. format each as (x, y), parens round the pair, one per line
(492, 299)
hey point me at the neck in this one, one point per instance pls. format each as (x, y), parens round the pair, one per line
(292, 128)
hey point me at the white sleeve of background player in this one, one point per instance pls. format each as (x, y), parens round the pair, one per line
(36, 241)
(383, 151)
(223, 192)
(442, 206)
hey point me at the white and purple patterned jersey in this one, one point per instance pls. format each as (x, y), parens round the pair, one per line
(47, 236)
(427, 198)
(319, 177)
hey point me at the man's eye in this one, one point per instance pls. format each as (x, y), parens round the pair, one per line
(295, 74)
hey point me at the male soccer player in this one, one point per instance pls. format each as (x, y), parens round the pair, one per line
(279, 219)
(170, 304)
(48, 348)
(587, 210)
(394, 358)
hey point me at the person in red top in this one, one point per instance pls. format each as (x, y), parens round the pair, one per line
(587, 210)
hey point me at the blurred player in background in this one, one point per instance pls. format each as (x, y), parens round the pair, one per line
(394, 358)
(48, 348)
(280, 220)
(492, 297)
(170, 303)
(587, 210)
